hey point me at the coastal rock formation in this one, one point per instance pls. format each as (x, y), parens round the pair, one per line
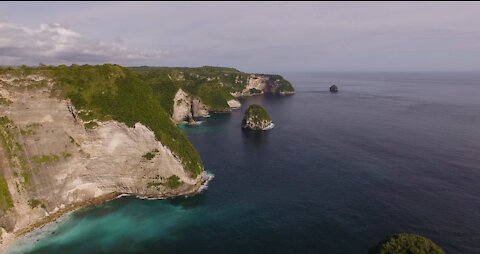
(257, 118)
(199, 108)
(182, 107)
(406, 243)
(215, 87)
(333, 89)
(263, 83)
(185, 107)
(51, 160)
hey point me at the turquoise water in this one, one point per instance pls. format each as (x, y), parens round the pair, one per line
(391, 152)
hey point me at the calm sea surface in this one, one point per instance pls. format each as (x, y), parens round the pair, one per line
(391, 152)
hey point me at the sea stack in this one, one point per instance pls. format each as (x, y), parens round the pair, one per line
(333, 89)
(257, 118)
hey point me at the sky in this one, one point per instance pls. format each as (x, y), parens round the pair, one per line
(250, 36)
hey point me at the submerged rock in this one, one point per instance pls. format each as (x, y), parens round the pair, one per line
(333, 89)
(257, 118)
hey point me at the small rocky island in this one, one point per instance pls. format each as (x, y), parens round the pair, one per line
(333, 89)
(257, 118)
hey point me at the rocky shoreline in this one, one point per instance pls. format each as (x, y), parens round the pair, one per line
(10, 239)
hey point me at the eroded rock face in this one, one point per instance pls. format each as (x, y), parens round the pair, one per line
(57, 161)
(182, 107)
(257, 118)
(185, 107)
(198, 108)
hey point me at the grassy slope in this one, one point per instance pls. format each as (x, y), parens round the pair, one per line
(114, 92)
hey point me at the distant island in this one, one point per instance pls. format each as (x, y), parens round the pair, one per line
(82, 134)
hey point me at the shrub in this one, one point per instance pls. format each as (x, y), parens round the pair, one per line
(35, 203)
(148, 156)
(173, 182)
(43, 159)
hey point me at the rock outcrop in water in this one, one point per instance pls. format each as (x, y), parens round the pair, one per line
(257, 118)
(333, 89)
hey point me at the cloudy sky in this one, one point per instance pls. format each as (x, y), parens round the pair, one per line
(271, 36)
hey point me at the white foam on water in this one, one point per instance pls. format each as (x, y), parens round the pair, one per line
(209, 176)
(269, 127)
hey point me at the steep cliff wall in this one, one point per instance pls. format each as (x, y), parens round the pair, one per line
(51, 159)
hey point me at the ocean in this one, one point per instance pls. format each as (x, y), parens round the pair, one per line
(389, 153)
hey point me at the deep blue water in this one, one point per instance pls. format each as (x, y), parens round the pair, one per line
(389, 153)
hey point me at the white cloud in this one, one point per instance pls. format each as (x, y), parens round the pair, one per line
(54, 43)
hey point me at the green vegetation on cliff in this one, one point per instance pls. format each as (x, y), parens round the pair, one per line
(47, 158)
(33, 203)
(112, 92)
(173, 182)
(6, 201)
(406, 244)
(14, 150)
(213, 85)
(284, 85)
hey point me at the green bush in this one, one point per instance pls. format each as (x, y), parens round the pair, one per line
(35, 203)
(43, 159)
(406, 244)
(173, 182)
(148, 156)
(91, 125)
